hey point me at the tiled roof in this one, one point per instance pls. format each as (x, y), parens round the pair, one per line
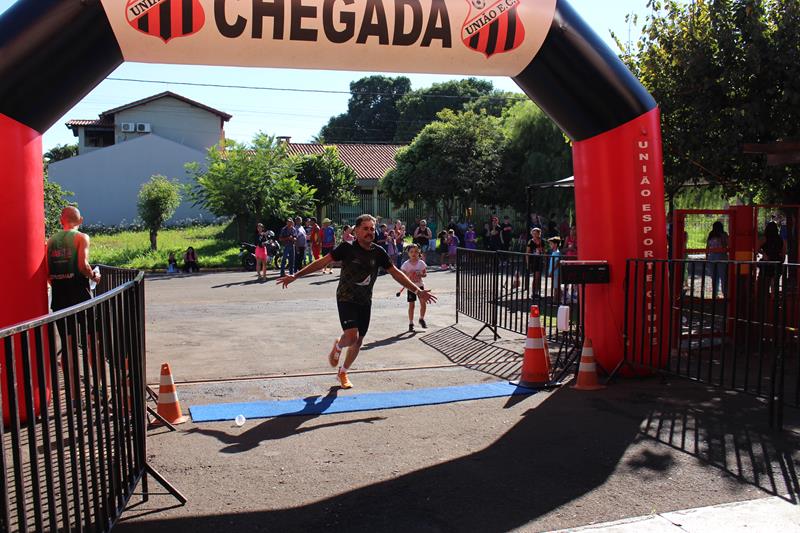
(96, 122)
(370, 161)
(221, 114)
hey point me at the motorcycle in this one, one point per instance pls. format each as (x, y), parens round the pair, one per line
(247, 253)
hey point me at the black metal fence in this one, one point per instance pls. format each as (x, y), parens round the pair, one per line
(499, 288)
(72, 439)
(733, 325)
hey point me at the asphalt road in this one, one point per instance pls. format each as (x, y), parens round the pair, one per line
(547, 461)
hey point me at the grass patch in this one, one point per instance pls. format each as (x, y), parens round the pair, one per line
(216, 246)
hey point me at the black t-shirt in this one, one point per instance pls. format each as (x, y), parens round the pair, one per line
(261, 240)
(359, 271)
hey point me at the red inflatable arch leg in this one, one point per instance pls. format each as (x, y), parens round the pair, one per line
(619, 197)
(23, 277)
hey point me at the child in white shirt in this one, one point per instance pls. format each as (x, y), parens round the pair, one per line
(416, 269)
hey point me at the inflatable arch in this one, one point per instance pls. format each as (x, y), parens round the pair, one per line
(53, 52)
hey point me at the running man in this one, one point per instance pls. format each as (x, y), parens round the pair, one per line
(360, 263)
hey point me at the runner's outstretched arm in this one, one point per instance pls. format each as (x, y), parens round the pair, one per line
(319, 264)
(402, 279)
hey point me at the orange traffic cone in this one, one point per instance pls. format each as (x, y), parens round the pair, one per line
(536, 361)
(168, 405)
(587, 370)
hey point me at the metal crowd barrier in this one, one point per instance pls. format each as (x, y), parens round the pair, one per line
(73, 434)
(499, 288)
(732, 325)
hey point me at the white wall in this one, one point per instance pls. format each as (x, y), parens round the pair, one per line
(172, 119)
(106, 182)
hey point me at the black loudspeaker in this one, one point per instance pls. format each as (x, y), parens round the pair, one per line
(585, 272)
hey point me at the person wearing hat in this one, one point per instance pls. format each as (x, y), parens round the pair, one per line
(328, 241)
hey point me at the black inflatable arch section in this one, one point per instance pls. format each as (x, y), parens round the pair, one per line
(53, 52)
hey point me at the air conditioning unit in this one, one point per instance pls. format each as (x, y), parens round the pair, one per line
(143, 127)
(127, 126)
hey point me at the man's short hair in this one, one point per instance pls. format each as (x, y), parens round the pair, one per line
(363, 218)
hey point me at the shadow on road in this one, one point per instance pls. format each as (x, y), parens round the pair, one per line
(462, 349)
(406, 335)
(556, 453)
(254, 281)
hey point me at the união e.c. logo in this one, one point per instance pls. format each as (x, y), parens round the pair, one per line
(165, 19)
(493, 26)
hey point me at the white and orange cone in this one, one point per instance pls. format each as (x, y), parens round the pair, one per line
(587, 370)
(168, 405)
(536, 360)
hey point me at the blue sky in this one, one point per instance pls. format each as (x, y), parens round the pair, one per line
(296, 114)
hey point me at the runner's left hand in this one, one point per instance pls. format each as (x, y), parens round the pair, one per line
(426, 296)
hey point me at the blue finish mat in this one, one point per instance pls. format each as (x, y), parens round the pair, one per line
(317, 405)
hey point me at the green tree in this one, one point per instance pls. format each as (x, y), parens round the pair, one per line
(332, 180)
(55, 199)
(725, 73)
(158, 200)
(372, 113)
(536, 152)
(459, 156)
(59, 152)
(249, 182)
(419, 108)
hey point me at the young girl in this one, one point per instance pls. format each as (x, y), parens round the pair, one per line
(172, 263)
(261, 252)
(391, 246)
(452, 247)
(471, 238)
(347, 234)
(416, 269)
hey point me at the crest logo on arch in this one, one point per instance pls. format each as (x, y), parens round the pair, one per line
(493, 26)
(165, 19)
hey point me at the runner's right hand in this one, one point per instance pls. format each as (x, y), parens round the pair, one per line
(285, 280)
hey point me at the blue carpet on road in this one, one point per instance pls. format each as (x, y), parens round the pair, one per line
(317, 405)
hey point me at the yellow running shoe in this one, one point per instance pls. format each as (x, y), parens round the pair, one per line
(333, 356)
(345, 381)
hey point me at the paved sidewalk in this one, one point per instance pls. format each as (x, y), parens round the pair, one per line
(768, 515)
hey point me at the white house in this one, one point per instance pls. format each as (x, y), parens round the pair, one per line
(119, 151)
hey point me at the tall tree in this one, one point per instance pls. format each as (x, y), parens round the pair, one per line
(536, 152)
(249, 182)
(372, 113)
(725, 73)
(456, 157)
(332, 180)
(158, 200)
(419, 108)
(55, 199)
(59, 152)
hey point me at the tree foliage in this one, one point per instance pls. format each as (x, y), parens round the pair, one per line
(459, 156)
(725, 73)
(332, 180)
(59, 152)
(420, 107)
(372, 113)
(250, 182)
(55, 199)
(158, 200)
(536, 152)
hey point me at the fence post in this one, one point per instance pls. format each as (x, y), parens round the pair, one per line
(459, 260)
(495, 291)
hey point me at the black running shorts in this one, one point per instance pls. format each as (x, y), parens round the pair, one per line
(353, 315)
(412, 297)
